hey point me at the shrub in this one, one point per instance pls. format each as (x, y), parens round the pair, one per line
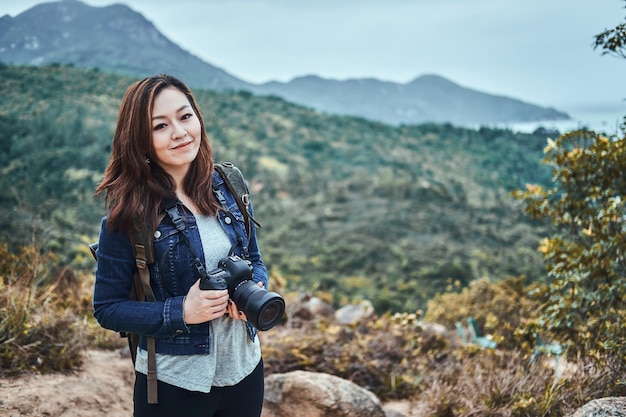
(39, 330)
(500, 308)
(384, 355)
(586, 254)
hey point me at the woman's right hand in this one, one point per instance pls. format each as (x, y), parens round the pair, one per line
(204, 305)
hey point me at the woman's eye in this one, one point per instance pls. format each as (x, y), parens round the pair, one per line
(159, 126)
(187, 116)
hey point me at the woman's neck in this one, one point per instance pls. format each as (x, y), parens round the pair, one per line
(179, 176)
(186, 200)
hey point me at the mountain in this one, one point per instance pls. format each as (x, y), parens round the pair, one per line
(429, 98)
(117, 39)
(113, 38)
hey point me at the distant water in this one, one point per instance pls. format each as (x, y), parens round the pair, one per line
(603, 121)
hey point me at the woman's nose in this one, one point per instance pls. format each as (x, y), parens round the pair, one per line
(179, 131)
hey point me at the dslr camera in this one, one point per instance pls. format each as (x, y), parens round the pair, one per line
(263, 309)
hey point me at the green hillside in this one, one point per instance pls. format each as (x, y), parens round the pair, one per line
(353, 207)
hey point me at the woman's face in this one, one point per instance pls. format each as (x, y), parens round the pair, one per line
(176, 131)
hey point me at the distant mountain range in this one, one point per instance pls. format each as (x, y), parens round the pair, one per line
(117, 39)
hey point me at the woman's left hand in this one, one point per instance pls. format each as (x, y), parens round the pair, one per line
(233, 310)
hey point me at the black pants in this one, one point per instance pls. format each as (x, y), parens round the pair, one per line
(242, 400)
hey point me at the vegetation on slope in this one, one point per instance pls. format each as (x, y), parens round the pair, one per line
(349, 206)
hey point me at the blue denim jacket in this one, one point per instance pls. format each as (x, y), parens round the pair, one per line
(171, 275)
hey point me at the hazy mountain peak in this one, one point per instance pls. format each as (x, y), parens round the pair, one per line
(431, 79)
(112, 38)
(309, 78)
(77, 13)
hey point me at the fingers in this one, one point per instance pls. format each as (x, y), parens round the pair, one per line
(204, 305)
(217, 296)
(201, 306)
(234, 312)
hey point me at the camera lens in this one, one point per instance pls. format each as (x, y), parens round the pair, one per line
(271, 313)
(263, 309)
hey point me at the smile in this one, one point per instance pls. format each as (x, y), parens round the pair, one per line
(183, 145)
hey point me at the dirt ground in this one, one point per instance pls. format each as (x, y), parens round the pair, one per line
(102, 388)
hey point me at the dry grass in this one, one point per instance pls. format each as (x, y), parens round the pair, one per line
(43, 313)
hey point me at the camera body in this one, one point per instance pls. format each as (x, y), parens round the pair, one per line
(263, 309)
(230, 271)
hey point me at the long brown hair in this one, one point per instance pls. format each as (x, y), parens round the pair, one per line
(134, 182)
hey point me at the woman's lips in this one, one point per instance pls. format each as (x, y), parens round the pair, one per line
(183, 145)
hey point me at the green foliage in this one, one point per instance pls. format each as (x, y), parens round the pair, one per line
(499, 308)
(393, 205)
(404, 208)
(54, 128)
(586, 256)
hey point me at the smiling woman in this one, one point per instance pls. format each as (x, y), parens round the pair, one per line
(196, 347)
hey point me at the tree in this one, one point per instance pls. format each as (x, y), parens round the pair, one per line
(585, 304)
(613, 41)
(586, 257)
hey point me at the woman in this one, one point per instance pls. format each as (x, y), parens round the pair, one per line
(208, 358)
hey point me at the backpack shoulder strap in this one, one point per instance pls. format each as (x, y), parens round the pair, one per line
(142, 242)
(143, 246)
(236, 184)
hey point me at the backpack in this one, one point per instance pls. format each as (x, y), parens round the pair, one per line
(142, 242)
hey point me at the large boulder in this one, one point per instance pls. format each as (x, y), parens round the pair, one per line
(312, 394)
(603, 407)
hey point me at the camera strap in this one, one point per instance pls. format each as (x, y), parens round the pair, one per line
(179, 223)
(240, 240)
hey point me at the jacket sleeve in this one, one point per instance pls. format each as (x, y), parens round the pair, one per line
(113, 307)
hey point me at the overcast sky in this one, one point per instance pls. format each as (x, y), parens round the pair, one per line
(539, 51)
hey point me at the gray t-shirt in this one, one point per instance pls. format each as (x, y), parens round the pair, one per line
(233, 356)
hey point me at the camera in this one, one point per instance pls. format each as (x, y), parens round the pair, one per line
(264, 309)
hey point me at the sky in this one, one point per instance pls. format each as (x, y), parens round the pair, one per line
(538, 51)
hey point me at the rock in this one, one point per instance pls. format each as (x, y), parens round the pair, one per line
(603, 407)
(397, 409)
(311, 308)
(312, 394)
(353, 313)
